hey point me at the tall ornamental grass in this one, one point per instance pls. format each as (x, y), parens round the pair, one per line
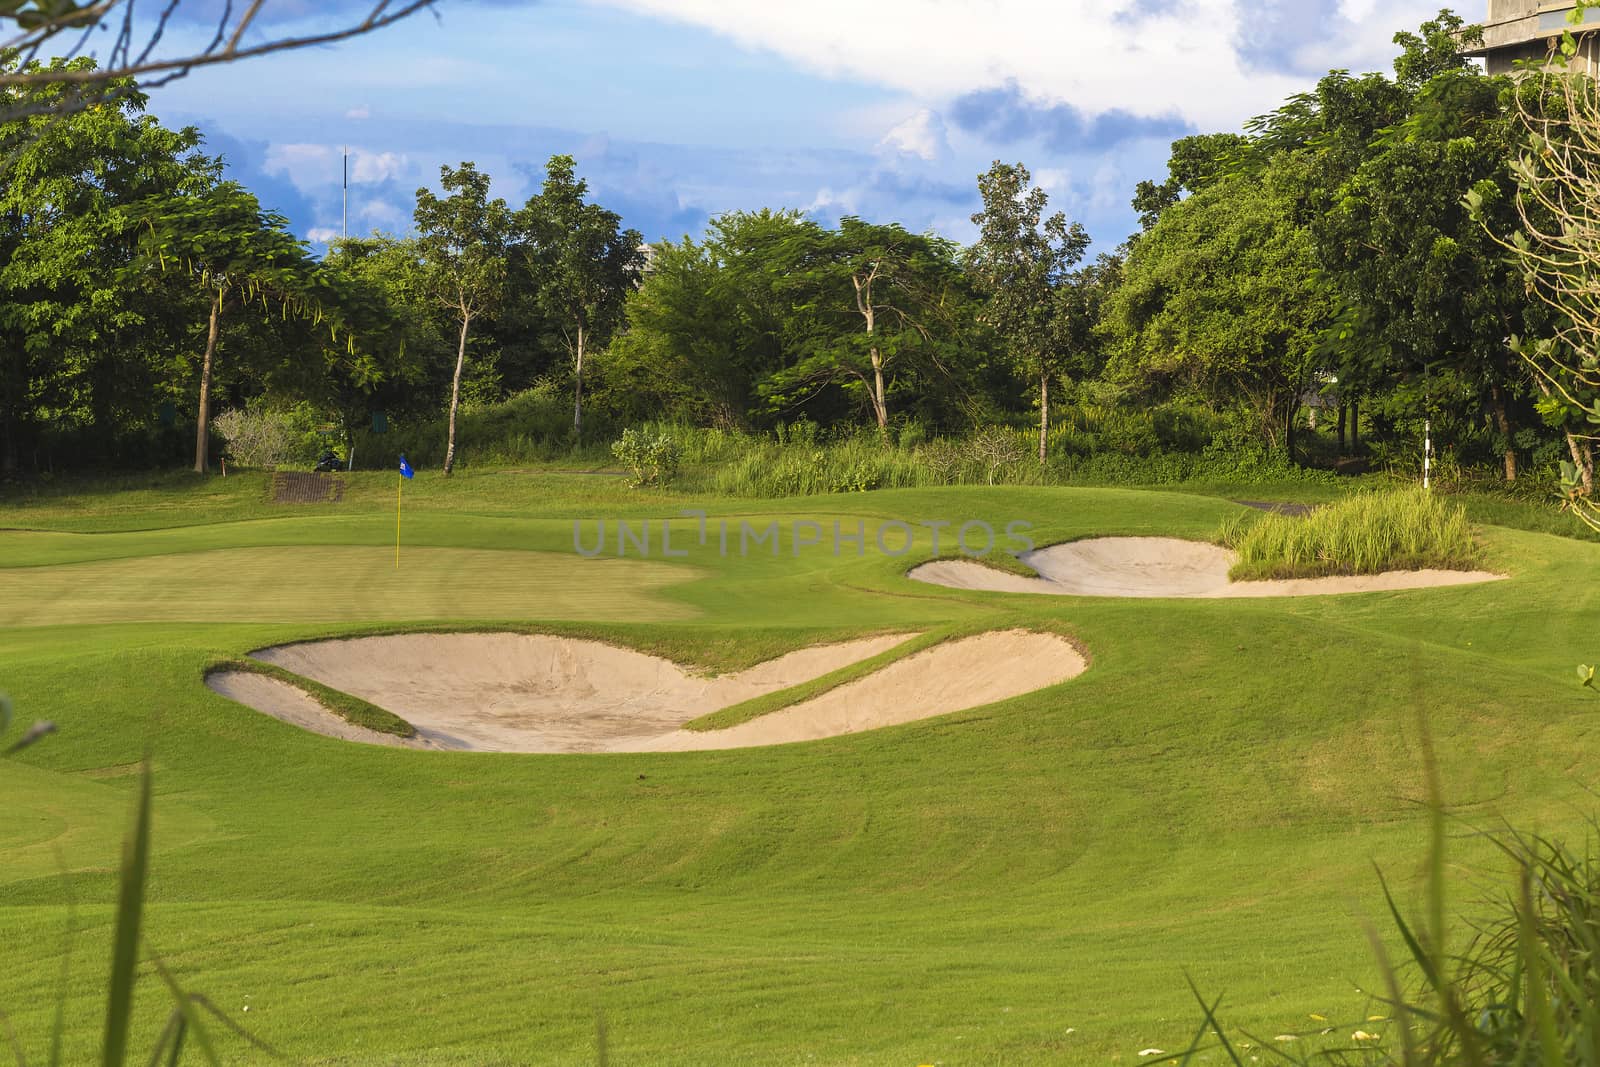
(1368, 533)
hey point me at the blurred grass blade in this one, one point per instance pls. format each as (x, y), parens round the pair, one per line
(169, 1035)
(199, 1000)
(188, 1017)
(58, 1027)
(130, 915)
(1423, 960)
(1212, 1022)
(177, 1042)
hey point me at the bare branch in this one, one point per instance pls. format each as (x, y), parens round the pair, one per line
(36, 34)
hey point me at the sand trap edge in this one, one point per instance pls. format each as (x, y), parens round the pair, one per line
(965, 574)
(273, 691)
(801, 692)
(294, 705)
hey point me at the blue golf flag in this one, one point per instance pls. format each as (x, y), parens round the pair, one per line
(405, 469)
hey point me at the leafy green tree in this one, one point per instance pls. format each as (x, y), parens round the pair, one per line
(238, 255)
(583, 262)
(462, 239)
(81, 336)
(1220, 296)
(708, 324)
(1442, 300)
(867, 299)
(1020, 262)
(1195, 162)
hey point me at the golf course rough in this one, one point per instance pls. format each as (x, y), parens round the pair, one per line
(510, 692)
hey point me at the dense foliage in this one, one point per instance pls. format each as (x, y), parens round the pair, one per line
(1315, 290)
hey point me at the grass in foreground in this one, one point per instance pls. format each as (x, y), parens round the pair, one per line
(1394, 530)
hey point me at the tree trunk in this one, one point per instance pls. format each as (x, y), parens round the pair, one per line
(1044, 413)
(455, 395)
(1288, 429)
(880, 404)
(577, 390)
(1502, 423)
(1355, 426)
(1583, 458)
(9, 456)
(202, 432)
(1341, 427)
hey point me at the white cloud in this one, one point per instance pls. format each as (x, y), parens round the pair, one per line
(362, 112)
(1098, 55)
(321, 235)
(922, 135)
(312, 166)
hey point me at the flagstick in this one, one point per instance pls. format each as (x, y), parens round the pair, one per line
(399, 484)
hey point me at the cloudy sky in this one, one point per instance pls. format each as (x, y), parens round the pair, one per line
(679, 109)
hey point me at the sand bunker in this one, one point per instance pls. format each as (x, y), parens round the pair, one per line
(539, 693)
(1160, 567)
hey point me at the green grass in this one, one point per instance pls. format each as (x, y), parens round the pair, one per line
(1368, 533)
(351, 709)
(1022, 883)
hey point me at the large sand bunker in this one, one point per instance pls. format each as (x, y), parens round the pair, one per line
(540, 693)
(1160, 567)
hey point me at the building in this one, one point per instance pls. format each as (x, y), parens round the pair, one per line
(1518, 30)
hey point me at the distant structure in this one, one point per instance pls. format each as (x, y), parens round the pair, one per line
(1518, 30)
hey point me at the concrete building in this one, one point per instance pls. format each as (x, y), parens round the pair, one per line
(1527, 29)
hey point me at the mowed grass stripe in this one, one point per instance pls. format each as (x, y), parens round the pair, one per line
(323, 583)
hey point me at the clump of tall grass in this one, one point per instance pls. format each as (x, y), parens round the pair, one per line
(1369, 533)
(1523, 991)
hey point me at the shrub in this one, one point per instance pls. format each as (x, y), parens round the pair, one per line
(1368, 533)
(652, 457)
(267, 437)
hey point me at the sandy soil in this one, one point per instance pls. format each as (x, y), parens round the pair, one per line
(1161, 567)
(532, 693)
(952, 676)
(540, 693)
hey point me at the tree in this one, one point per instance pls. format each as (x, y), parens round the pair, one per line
(867, 298)
(463, 244)
(1442, 299)
(583, 262)
(237, 254)
(79, 333)
(38, 27)
(1020, 261)
(1195, 162)
(1221, 296)
(1555, 243)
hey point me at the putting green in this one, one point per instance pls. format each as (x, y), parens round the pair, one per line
(1027, 881)
(337, 583)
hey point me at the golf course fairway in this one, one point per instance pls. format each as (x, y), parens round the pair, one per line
(1029, 881)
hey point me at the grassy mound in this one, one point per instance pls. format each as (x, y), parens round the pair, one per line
(1394, 530)
(349, 708)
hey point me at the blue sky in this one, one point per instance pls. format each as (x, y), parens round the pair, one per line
(679, 109)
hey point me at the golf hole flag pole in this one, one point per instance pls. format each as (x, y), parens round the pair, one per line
(399, 484)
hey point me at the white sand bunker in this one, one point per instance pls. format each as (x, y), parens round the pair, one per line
(539, 693)
(1161, 567)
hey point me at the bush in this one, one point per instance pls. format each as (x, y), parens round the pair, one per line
(267, 437)
(1369, 533)
(652, 457)
(533, 426)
